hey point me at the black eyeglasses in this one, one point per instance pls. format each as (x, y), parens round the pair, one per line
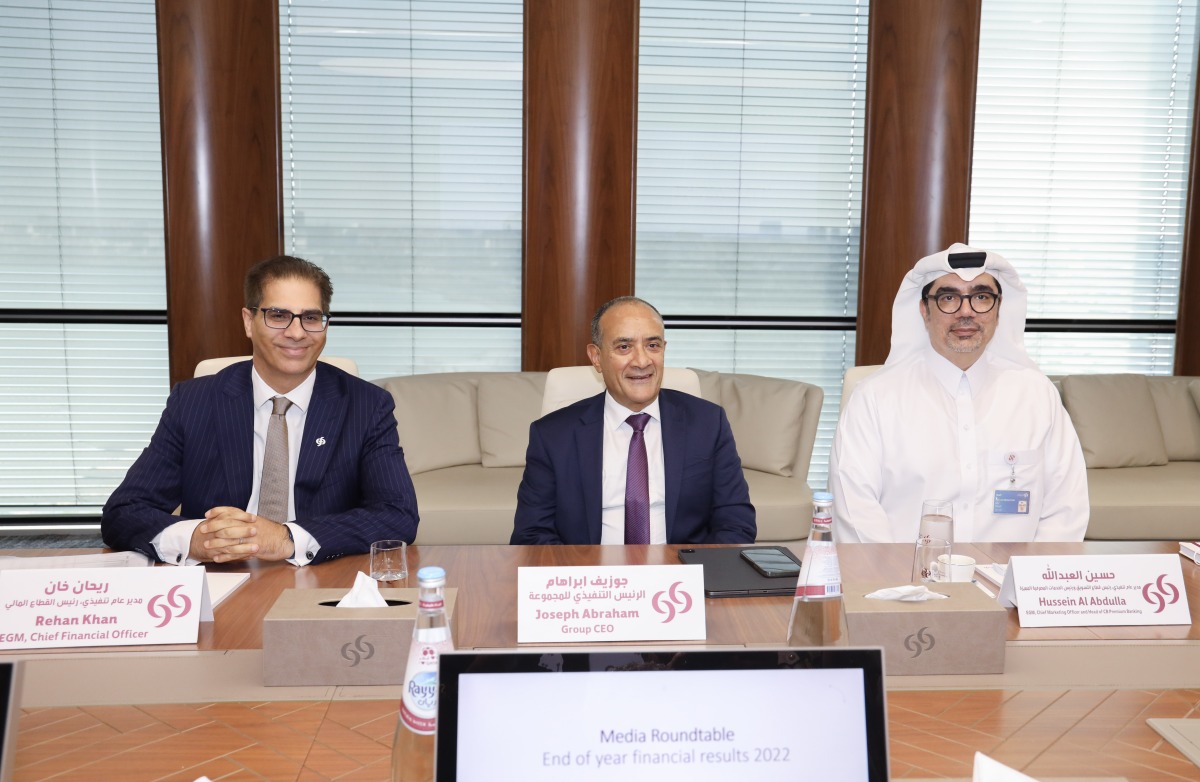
(950, 302)
(280, 319)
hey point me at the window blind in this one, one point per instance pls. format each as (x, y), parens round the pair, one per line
(1060, 353)
(80, 166)
(1082, 134)
(81, 227)
(749, 183)
(77, 405)
(750, 122)
(402, 152)
(387, 351)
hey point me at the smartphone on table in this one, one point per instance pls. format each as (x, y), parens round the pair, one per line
(772, 562)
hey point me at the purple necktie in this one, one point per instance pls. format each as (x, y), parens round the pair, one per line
(637, 483)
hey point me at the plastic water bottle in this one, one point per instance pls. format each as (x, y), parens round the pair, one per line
(818, 615)
(412, 751)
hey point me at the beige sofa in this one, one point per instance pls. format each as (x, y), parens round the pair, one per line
(464, 436)
(1141, 442)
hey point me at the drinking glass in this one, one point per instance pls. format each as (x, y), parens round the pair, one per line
(389, 560)
(925, 559)
(937, 521)
(935, 537)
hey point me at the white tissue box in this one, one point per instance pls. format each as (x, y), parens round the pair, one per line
(308, 640)
(965, 634)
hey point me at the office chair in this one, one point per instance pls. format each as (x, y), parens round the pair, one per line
(852, 378)
(566, 385)
(211, 366)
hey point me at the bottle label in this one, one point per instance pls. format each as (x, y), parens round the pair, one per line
(424, 726)
(820, 573)
(418, 701)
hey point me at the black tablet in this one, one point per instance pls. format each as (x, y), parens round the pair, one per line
(728, 574)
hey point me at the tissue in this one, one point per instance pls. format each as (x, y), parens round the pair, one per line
(910, 593)
(364, 594)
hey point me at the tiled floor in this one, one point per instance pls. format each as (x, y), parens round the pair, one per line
(1045, 733)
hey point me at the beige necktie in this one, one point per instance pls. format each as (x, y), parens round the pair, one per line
(273, 490)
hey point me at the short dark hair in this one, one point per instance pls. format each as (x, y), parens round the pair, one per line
(608, 305)
(925, 290)
(285, 267)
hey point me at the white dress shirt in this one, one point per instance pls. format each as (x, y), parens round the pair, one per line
(617, 434)
(174, 543)
(924, 429)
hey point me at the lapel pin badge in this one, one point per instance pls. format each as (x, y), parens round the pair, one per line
(320, 441)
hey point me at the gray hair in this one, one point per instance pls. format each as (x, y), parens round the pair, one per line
(606, 306)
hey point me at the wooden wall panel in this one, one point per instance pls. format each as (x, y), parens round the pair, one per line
(219, 93)
(580, 133)
(920, 118)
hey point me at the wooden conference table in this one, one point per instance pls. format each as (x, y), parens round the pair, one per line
(486, 578)
(1072, 702)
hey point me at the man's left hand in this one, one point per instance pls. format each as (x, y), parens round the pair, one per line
(247, 536)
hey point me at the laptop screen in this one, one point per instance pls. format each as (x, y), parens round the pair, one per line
(663, 716)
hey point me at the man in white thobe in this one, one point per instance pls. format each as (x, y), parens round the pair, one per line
(959, 412)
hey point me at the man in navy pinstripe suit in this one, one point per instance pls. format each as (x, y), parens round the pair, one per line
(575, 486)
(347, 482)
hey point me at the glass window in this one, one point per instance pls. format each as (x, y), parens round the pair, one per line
(386, 351)
(80, 165)
(402, 157)
(1069, 353)
(749, 185)
(81, 228)
(79, 404)
(1082, 132)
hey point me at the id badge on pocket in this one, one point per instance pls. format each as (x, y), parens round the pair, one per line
(1011, 502)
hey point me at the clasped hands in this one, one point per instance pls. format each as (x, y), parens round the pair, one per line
(231, 534)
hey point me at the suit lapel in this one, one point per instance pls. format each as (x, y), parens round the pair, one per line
(235, 433)
(674, 440)
(322, 429)
(589, 444)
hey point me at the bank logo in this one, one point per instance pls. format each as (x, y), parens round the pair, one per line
(920, 642)
(674, 596)
(1160, 592)
(357, 651)
(169, 606)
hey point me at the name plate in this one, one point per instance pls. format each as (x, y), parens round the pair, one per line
(102, 606)
(1191, 550)
(617, 603)
(1078, 591)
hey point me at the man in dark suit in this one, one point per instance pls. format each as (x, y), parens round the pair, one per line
(275, 458)
(634, 464)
